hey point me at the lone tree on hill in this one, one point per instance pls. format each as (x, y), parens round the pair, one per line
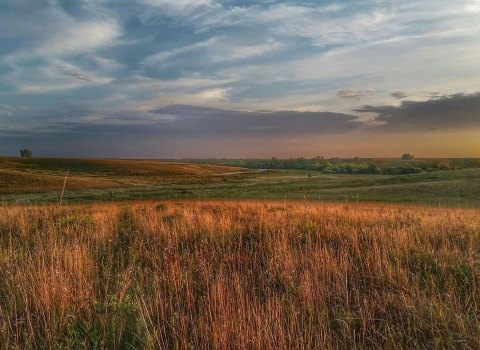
(25, 153)
(408, 156)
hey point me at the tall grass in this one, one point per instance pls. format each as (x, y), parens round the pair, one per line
(245, 275)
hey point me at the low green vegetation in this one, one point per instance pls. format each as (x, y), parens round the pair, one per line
(403, 166)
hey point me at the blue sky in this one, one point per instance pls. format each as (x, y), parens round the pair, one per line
(209, 78)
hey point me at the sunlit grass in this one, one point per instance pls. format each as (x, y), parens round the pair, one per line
(247, 275)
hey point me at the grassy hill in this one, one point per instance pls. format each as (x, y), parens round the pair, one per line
(109, 167)
(47, 174)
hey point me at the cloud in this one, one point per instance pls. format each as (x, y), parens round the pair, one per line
(349, 94)
(53, 75)
(233, 53)
(354, 94)
(277, 15)
(176, 130)
(214, 50)
(80, 36)
(453, 112)
(182, 120)
(25, 120)
(202, 121)
(54, 33)
(400, 95)
(177, 4)
(163, 57)
(147, 93)
(75, 73)
(60, 51)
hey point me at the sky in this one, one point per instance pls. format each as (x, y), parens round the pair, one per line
(240, 78)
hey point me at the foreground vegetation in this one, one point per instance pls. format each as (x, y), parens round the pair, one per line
(245, 275)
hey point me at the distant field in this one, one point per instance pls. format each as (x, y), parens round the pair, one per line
(26, 175)
(39, 180)
(239, 275)
(109, 167)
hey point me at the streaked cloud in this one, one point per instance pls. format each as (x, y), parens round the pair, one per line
(354, 94)
(234, 53)
(400, 95)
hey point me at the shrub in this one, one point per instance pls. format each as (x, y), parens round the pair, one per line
(161, 207)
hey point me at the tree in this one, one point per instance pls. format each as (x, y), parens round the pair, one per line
(26, 153)
(408, 156)
(373, 169)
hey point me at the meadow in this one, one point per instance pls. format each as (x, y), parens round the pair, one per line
(39, 181)
(239, 275)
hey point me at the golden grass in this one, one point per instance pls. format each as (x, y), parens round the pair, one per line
(110, 167)
(47, 174)
(14, 182)
(239, 275)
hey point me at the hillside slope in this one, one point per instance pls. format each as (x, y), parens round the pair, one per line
(46, 174)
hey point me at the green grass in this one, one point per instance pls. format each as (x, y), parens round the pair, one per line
(41, 180)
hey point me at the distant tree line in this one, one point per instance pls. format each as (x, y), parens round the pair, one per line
(346, 165)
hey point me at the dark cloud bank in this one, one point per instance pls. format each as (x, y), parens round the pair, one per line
(217, 122)
(176, 131)
(164, 131)
(456, 111)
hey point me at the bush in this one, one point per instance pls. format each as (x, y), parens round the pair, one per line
(26, 153)
(161, 207)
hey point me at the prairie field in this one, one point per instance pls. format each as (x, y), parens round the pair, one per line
(40, 175)
(224, 274)
(40, 180)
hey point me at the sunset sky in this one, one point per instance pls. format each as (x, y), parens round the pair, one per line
(240, 78)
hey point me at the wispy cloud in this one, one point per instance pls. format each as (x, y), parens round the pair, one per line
(53, 75)
(164, 56)
(400, 95)
(354, 94)
(234, 53)
(51, 61)
(177, 5)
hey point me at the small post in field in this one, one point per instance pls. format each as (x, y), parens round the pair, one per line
(64, 184)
